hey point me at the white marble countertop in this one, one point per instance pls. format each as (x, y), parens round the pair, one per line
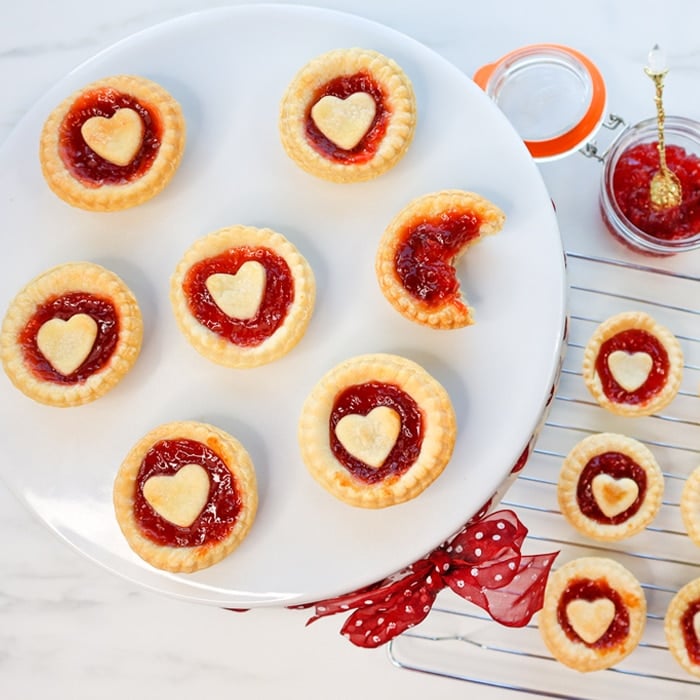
(69, 629)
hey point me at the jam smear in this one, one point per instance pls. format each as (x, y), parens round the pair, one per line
(631, 179)
(361, 399)
(631, 341)
(64, 307)
(342, 87)
(276, 300)
(692, 643)
(618, 466)
(90, 168)
(592, 590)
(219, 515)
(425, 256)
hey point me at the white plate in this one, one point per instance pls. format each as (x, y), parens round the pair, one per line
(228, 68)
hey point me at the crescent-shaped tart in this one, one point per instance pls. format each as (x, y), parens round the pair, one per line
(71, 334)
(377, 430)
(112, 144)
(633, 365)
(416, 256)
(185, 496)
(594, 613)
(348, 115)
(243, 296)
(610, 487)
(682, 627)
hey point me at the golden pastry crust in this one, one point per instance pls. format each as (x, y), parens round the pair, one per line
(372, 439)
(131, 493)
(123, 146)
(231, 282)
(619, 498)
(682, 626)
(632, 370)
(64, 340)
(690, 506)
(580, 631)
(428, 306)
(341, 122)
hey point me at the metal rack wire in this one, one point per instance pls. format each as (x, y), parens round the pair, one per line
(460, 642)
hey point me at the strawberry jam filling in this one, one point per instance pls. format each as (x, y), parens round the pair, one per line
(618, 466)
(64, 307)
(692, 643)
(86, 165)
(277, 297)
(342, 87)
(631, 341)
(219, 515)
(591, 590)
(360, 399)
(425, 256)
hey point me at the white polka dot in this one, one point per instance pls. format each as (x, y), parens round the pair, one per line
(426, 608)
(460, 584)
(495, 538)
(500, 525)
(445, 567)
(474, 572)
(478, 552)
(345, 606)
(369, 602)
(459, 549)
(498, 577)
(428, 579)
(409, 609)
(511, 565)
(376, 638)
(380, 620)
(479, 535)
(358, 623)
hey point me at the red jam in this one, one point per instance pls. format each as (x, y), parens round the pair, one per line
(425, 257)
(618, 466)
(83, 162)
(64, 307)
(592, 590)
(218, 516)
(277, 298)
(631, 341)
(692, 643)
(342, 87)
(361, 399)
(631, 180)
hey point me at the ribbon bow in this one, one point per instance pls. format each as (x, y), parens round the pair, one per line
(481, 564)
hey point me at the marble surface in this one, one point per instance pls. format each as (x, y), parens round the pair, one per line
(69, 629)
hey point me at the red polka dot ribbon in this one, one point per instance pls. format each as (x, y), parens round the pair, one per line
(481, 564)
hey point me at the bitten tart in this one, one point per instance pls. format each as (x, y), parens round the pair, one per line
(682, 627)
(416, 256)
(633, 365)
(243, 296)
(348, 115)
(690, 506)
(185, 496)
(112, 144)
(594, 613)
(377, 430)
(71, 334)
(610, 487)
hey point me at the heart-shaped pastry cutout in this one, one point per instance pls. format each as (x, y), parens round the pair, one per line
(590, 618)
(66, 344)
(181, 497)
(614, 496)
(117, 138)
(370, 438)
(630, 370)
(239, 295)
(344, 122)
(696, 625)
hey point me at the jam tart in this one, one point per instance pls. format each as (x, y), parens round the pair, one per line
(416, 256)
(633, 365)
(243, 296)
(185, 496)
(71, 334)
(112, 144)
(348, 115)
(377, 430)
(690, 506)
(594, 613)
(682, 627)
(610, 487)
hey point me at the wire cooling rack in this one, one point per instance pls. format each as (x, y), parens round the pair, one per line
(458, 641)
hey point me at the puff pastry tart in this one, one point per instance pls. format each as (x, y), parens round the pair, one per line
(610, 487)
(348, 115)
(71, 334)
(690, 506)
(243, 296)
(415, 260)
(632, 365)
(377, 430)
(185, 496)
(113, 144)
(594, 613)
(682, 627)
